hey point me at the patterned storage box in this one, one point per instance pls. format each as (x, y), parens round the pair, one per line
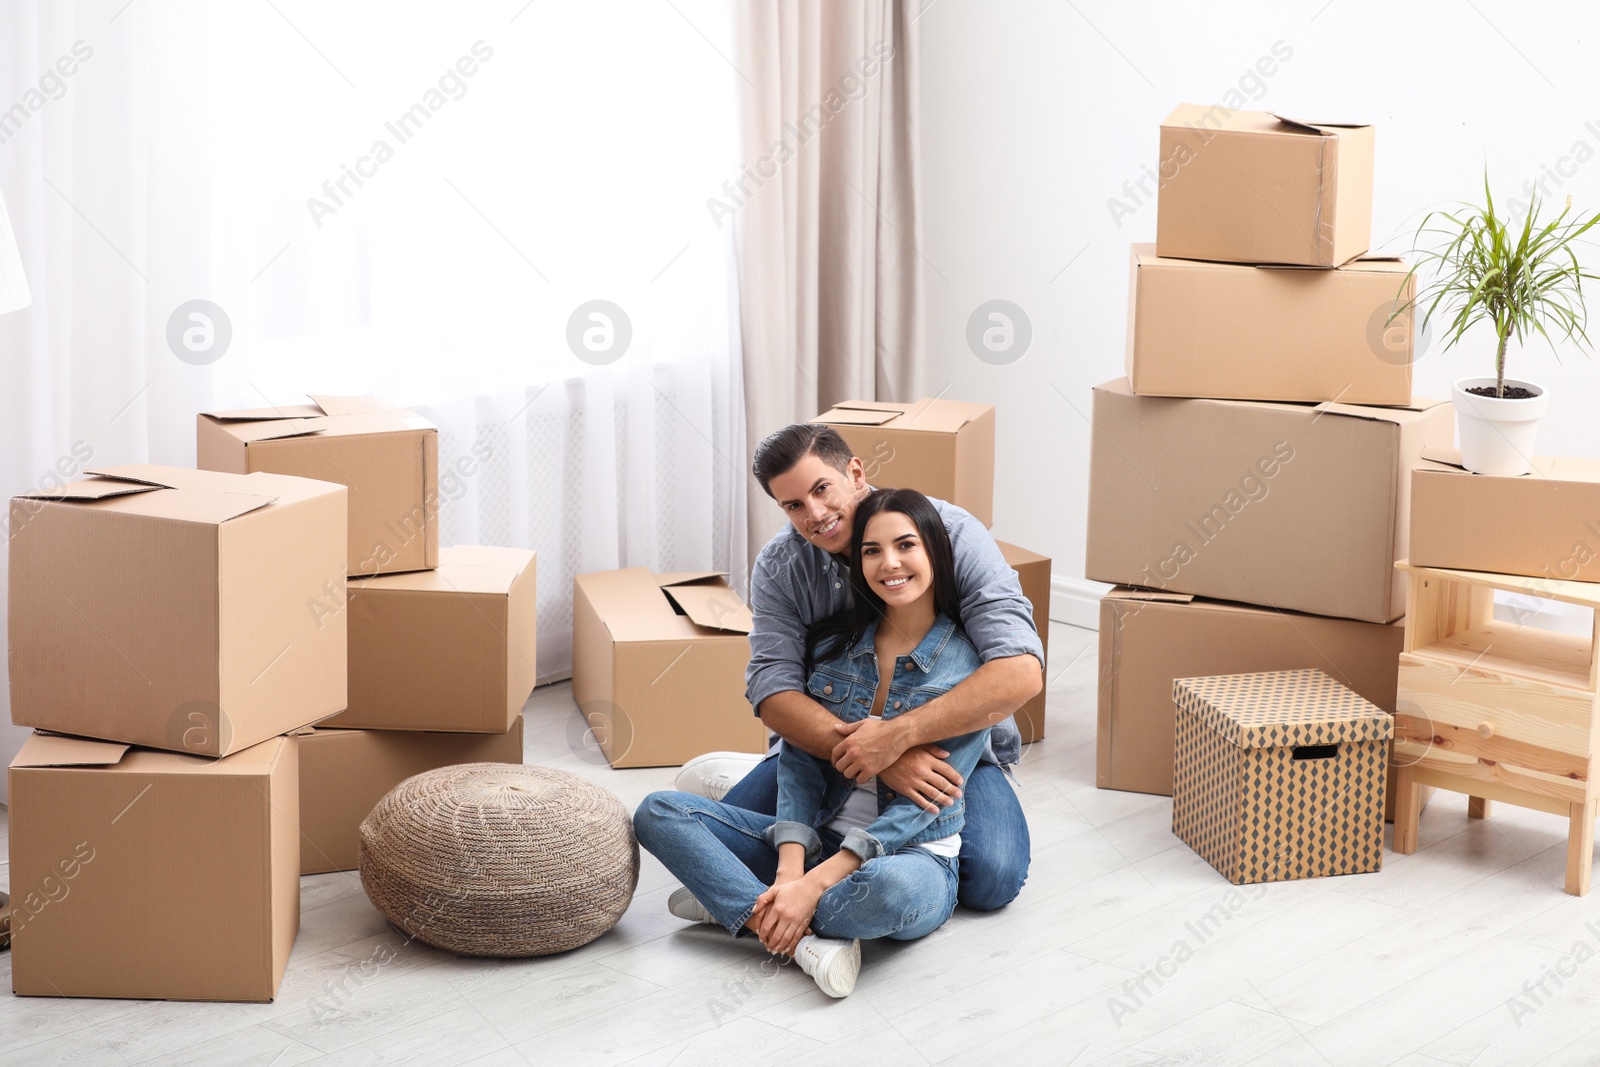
(1279, 775)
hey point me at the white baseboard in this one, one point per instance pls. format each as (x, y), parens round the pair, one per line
(1076, 601)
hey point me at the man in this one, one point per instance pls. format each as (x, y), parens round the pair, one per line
(802, 575)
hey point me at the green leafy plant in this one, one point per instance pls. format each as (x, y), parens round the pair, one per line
(1485, 267)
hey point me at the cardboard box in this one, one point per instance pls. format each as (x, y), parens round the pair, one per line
(1034, 572)
(1268, 333)
(388, 457)
(1253, 187)
(176, 608)
(343, 773)
(942, 448)
(1545, 524)
(153, 875)
(1282, 505)
(1148, 639)
(658, 665)
(1279, 775)
(451, 649)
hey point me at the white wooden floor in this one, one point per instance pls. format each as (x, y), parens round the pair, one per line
(1124, 948)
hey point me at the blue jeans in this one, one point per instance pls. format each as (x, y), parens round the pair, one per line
(995, 847)
(718, 852)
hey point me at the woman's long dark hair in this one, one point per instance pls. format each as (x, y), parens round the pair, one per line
(833, 635)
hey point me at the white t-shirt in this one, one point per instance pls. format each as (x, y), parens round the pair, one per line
(860, 810)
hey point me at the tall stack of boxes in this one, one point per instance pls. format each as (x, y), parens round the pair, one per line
(441, 642)
(176, 633)
(1250, 476)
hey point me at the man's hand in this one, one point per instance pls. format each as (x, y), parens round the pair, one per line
(867, 746)
(785, 913)
(923, 775)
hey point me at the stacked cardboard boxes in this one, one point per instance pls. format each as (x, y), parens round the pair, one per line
(1251, 475)
(174, 636)
(441, 642)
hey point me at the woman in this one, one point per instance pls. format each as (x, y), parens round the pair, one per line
(842, 860)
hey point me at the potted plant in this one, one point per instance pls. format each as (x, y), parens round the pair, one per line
(1518, 278)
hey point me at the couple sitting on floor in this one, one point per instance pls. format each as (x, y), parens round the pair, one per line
(891, 645)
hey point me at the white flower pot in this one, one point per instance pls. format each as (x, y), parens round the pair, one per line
(1497, 435)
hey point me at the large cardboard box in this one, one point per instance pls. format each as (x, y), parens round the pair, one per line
(1280, 775)
(1268, 333)
(1253, 187)
(943, 448)
(1544, 524)
(343, 773)
(1149, 638)
(451, 649)
(176, 608)
(1286, 506)
(388, 457)
(1033, 570)
(150, 874)
(658, 665)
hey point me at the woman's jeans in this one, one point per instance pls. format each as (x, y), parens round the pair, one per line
(718, 852)
(995, 847)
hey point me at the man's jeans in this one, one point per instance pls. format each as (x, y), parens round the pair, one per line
(717, 851)
(995, 848)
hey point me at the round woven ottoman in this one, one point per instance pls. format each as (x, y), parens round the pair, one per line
(500, 859)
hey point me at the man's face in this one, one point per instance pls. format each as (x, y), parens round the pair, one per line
(821, 501)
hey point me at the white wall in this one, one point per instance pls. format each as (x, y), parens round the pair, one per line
(1034, 115)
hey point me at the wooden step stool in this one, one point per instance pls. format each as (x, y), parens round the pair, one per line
(1497, 710)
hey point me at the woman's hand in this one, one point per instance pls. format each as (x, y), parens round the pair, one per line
(785, 913)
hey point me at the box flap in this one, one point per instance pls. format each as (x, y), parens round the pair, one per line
(944, 416)
(1134, 592)
(92, 489)
(710, 602)
(201, 496)
(56, 750)
(1326, 129)
(462, 569)
(269, 424)
(350, 405)
(287, 411)
(1397, 414)
(862, 413)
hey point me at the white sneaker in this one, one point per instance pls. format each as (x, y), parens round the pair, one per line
(683, 904)
(833, 963)
(714, 773)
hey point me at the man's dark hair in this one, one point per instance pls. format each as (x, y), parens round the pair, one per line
(779, 453)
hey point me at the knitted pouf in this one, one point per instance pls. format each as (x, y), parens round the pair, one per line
(498, 859)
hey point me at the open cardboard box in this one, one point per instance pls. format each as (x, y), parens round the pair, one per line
(658, 664)
(1269, 333)
(387, 457)
(170, 608)
(150, 874)
(942, 448)
(1255, 187)
(451, 649)
(1288, 506)
(1544, 524)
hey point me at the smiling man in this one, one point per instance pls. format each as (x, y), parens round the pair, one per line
(802, 575)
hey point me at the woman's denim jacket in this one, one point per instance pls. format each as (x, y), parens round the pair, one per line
(811, 790)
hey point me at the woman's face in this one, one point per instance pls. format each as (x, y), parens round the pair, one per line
(894, 561)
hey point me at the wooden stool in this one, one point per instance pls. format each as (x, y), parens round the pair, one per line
(1497, 710)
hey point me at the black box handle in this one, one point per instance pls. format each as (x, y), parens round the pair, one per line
(1315, 751)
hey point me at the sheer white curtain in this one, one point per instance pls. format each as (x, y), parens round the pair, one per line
(411, 200)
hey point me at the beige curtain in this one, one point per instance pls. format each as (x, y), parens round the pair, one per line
(825, 210)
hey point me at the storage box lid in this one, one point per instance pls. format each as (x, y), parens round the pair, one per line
(1277, 709)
